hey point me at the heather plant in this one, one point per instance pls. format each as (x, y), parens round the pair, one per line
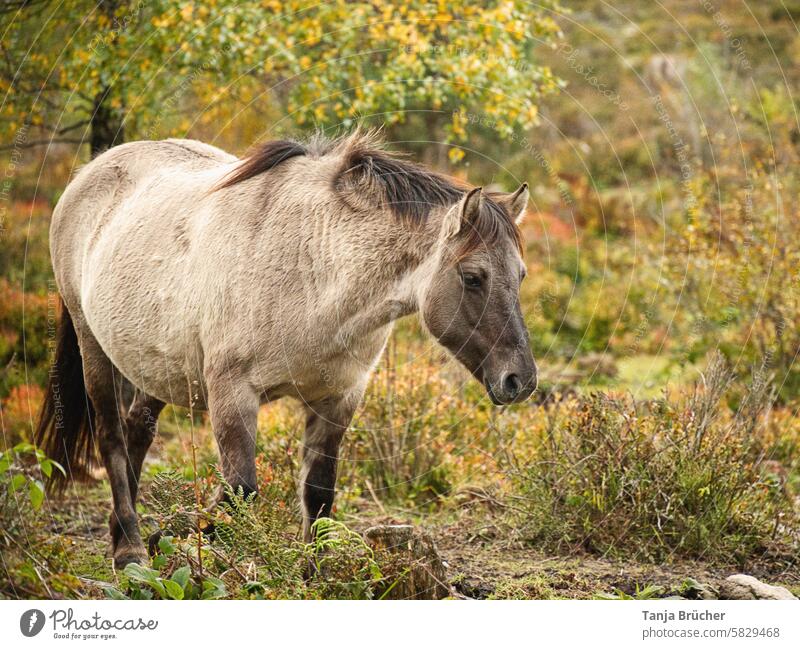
(656, 479)
(745, 308)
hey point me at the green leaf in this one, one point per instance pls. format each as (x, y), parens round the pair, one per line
(213, 588)
(24, 447)
(141, 593)
(36, 493)
(113, 593)
(165, 545)
(181, 576)
(59, 467)
(17, 482)
(141, 574)
(174, 589)
(158, 586)
(47, 467)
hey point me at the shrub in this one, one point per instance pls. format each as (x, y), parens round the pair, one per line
(734, 265)
(343, 566)
(655, 479)
(147, 583)
(18, 412)
(403, 430)
(27, 325)
(23, 470)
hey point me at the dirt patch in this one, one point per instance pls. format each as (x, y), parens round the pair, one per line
(483, 567)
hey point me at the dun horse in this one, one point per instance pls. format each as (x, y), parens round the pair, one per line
(189, 276)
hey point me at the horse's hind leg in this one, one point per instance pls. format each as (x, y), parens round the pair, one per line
(141, 422)
(103, 385)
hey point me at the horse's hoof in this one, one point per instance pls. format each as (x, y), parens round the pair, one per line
(130, 556)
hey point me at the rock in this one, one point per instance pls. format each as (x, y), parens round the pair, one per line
(693, 589)
(747, 587)
(409, 559)
(474, 588)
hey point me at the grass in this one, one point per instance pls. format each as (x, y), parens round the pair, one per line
(526, 587)
(640, 593)
(644, 376)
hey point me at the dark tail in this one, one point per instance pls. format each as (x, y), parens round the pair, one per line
(64, 431)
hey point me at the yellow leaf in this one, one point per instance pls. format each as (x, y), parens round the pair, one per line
(455, 154)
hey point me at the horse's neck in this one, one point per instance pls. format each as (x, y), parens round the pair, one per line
(389, 282)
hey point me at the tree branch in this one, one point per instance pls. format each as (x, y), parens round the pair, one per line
(72, 127)
(10, 6)
(35, 143)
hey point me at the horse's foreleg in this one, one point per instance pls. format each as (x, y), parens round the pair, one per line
(233, 405)
(327, 421)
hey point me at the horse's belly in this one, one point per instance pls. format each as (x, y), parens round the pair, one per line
(159, 365)
(145, 333)
(317, 373)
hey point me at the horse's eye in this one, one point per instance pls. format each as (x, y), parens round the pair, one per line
(472, 281)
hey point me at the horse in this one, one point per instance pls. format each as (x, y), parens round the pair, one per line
(190, 276)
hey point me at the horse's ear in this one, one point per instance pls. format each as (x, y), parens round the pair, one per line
(463, 212)
(516, 204)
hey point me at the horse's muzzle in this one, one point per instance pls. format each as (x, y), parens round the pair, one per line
(512, 387)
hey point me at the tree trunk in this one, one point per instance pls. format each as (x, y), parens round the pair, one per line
(106, 127)
(410, 559)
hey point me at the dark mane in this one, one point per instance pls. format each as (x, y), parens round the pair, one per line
(410, 191)
(263, 158)
(407, 190)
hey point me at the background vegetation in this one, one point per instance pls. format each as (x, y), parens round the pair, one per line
(661, 144)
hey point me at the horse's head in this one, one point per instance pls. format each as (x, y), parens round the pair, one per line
(471, 303)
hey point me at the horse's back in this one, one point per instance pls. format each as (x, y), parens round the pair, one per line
(112, 175)
(141, 155)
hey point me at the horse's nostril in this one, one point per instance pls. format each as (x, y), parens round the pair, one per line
(511, 385)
